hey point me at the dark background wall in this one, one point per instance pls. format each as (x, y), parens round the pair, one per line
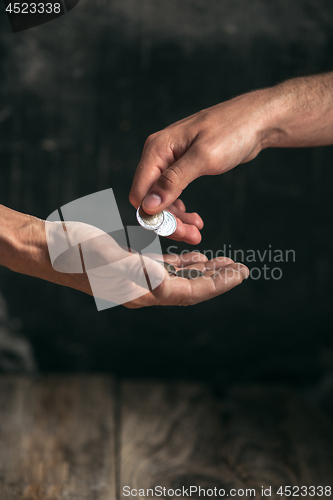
(79, 97)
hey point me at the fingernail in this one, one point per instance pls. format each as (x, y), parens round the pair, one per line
(152, 200)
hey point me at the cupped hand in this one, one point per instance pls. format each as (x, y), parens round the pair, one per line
(220, 276)
(85, 258)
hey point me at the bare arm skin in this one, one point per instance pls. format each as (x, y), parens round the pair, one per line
(24, 249)
(296, 113)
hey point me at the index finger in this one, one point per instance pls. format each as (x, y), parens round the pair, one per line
(156, 157)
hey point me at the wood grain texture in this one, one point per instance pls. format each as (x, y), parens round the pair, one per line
(84, 437)
(181, 435)
(57, 438)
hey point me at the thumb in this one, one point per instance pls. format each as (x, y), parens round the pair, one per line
(172, 182)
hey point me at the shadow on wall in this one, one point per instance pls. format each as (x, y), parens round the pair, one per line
(16, 354)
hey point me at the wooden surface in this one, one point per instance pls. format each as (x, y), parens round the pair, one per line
(87, 437)
(57, 439)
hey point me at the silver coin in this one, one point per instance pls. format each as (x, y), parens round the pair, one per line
(169, 267)
(168, 226)
(150, 222)
(190, 274)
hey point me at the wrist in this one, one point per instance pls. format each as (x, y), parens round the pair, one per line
(24, 249)
(298, 112)
(274, 108)
(23, 246)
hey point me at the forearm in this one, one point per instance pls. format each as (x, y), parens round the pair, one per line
(299, 112)
(18, 251)
(23, 246)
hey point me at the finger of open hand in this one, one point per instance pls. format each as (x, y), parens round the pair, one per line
(185, 259)
(222, 281)
(183, 292)
(235, 267)
(218, 262)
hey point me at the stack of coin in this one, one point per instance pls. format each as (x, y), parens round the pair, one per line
(164, 223)
(188, 273)
(169, 267)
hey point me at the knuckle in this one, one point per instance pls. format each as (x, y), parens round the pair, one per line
(209, 153)
(238, 278)
(170, 177)
(213, 157)
(197, 219)
(150, 139)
